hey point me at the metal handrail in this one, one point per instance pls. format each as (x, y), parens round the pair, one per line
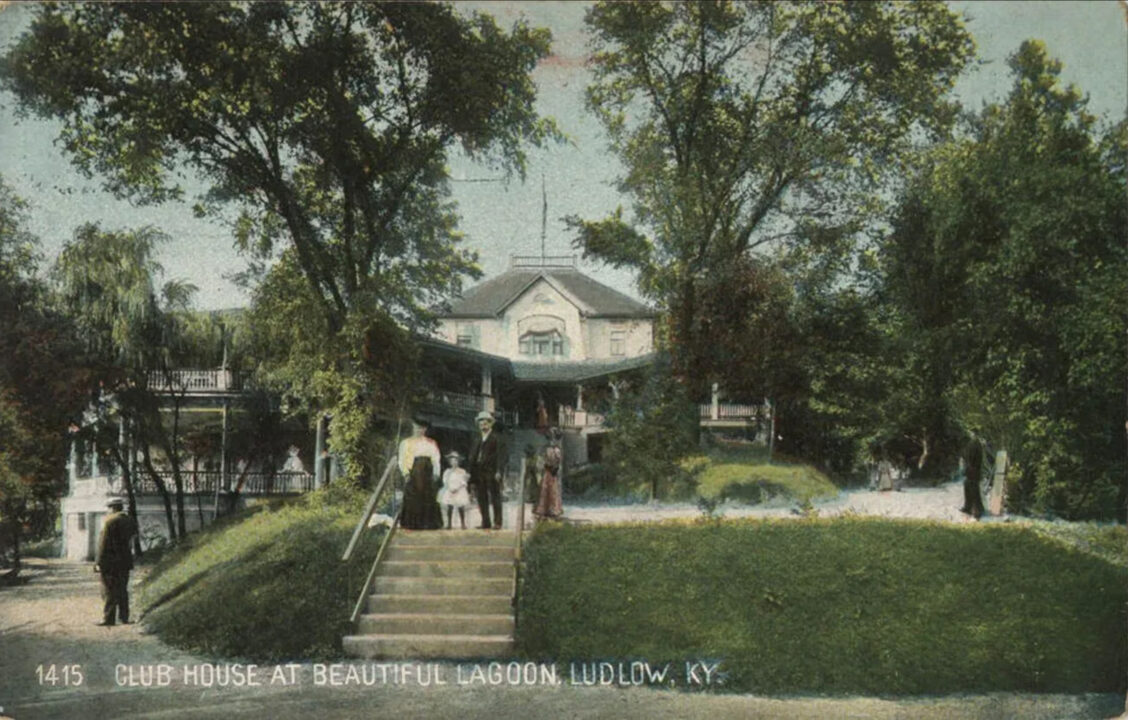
(375, 565)
(368, 510)
(517, 542)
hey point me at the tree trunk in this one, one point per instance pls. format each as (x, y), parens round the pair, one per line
(148, 460)
(196, 488)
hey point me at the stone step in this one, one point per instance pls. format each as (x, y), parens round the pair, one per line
(448, 538)
(433, 624)
(445, 552)
(442, 604)
(443, 585)
(428, 646)
(447, 568)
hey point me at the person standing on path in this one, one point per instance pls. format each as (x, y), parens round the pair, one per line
(973, 463)
(114, 561)
(488, 459)
(549, 504)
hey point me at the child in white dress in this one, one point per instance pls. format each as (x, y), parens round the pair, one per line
(454, 493)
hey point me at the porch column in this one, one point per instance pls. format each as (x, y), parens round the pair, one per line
(715, 409)
(72, 466)
(223, 480)
(579, 398)
(487, 380)
(318, 454)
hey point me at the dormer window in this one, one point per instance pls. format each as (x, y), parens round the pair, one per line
(541, 343)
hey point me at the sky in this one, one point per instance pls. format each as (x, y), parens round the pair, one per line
(503, 217)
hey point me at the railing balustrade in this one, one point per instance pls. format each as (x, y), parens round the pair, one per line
(570, 418)
(196, 381)
(206, 481)
(730, 411)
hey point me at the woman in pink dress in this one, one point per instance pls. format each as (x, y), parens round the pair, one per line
(550, 504)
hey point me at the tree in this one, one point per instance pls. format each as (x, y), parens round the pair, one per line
(132, 331)
(42, 372)
(746, 127)
(654, 425)
(1008, 260)
(328, 124)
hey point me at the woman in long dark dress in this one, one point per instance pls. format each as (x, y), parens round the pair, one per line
(549, 504)
(419, 462)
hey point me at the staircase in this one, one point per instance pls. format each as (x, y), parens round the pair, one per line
(440, 594)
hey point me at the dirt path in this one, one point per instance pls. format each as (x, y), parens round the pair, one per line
(51, 620)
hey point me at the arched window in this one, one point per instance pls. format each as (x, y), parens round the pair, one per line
(541, 343)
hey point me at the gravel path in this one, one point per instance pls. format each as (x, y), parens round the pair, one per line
(939, 503)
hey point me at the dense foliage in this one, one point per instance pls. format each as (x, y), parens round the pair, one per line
(1008, 268)
(747, 127)
(42, 377)
(654, 424)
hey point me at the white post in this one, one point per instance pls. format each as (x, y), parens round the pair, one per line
(715, 409)
(771, 429)
(579, 398)
(72, 466)
(318, 452)
(487, 380)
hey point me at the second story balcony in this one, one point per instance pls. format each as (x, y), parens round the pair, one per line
(197, 382)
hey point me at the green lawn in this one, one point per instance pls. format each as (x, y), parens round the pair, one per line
(848, 605)
(266, 585)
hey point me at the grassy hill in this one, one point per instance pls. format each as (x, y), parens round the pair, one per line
(846, 605)
(266, 585)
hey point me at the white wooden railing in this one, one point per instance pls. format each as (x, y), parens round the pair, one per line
(195, 381)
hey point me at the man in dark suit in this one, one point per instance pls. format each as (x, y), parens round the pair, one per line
(114, 561)
(488, 460)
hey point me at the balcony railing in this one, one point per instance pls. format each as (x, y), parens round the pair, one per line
(462, 403)
(254, 483)
(196, 382)
(729, 411)
(570, 418)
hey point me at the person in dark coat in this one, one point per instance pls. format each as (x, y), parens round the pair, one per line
(114, 561)
(973, 468)
(488, 460)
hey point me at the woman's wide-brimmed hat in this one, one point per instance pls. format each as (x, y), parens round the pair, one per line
(421, 422)
(453, 454)
(484, 415)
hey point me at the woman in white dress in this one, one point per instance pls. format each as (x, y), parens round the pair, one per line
(454, 493)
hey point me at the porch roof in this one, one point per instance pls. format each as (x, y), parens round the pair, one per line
(571, 372)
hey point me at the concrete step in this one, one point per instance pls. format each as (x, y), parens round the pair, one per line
(448, 538)
(428, 646)
(444, 604)
(447, 568)
(445, 552)
(432, 624)
(443, 585)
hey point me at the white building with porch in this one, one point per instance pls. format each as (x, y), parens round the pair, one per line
(207, 401)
